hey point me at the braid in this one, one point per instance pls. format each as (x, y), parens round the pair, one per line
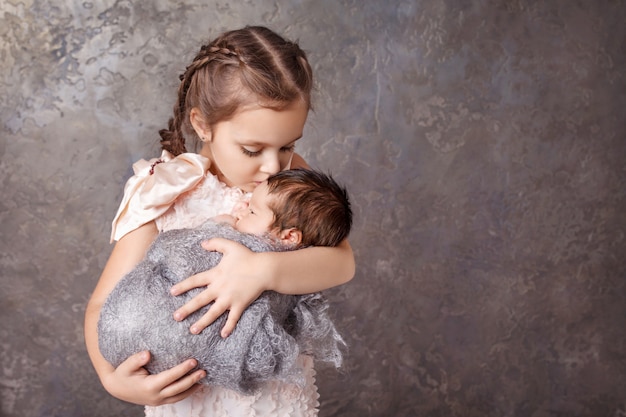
(239, 67)
(173, 138)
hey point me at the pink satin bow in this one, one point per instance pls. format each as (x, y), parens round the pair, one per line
(154, 188)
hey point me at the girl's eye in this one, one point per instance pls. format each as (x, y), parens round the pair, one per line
(249, 152)
(253, 153)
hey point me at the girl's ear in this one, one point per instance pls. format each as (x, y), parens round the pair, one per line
(199, 125)
(291, 236)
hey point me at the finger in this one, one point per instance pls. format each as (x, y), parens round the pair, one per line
(166, 378)
(231, 322)
(215, 311)
(196, 303)
(135, 362)
(183, 387)
(181, 396)
(195, 281)
(218, 244)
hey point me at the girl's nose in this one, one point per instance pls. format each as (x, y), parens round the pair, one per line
(271, 164)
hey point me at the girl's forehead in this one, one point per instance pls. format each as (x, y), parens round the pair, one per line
(262, 124)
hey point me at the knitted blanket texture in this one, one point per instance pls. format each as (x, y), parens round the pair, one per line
(272, 332)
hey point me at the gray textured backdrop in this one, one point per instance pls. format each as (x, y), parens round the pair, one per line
(484, 144)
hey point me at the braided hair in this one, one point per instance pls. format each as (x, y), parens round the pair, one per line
(240, 67)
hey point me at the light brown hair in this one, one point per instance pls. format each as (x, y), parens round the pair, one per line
(252, 65)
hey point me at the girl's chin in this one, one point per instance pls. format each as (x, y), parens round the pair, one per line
(249, 187)
(221, 178)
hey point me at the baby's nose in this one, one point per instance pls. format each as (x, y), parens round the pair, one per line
(241, 209)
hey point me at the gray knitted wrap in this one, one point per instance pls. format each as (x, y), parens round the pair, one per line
(270, 335)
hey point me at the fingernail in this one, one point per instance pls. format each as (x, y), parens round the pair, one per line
(225, 334)
(174, 291)
(178, 316)
(194, 330)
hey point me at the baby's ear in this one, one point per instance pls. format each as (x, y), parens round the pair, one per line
(291, 237)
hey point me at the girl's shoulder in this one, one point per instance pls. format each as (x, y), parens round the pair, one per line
(155, 186)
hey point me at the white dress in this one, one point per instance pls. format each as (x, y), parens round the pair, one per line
(179, 192)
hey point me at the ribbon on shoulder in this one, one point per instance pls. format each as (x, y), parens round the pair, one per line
(154, 188)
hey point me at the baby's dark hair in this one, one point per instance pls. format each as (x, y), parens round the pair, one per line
(246, 66)
(311, 202)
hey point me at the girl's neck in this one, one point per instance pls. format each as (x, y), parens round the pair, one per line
(205, 151)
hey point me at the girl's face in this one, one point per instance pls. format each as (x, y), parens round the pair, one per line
(254, 144)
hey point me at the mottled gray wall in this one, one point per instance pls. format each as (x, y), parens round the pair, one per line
(484, 144)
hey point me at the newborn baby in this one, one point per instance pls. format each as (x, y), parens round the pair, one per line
(293, 209)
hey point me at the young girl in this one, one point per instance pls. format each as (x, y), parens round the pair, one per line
(245, 97)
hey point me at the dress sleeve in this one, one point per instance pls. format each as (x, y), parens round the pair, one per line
(154, 188)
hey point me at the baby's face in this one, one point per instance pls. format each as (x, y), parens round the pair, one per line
(255, 217)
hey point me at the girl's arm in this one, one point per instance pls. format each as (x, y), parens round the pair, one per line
(242, 275)
(130, 381)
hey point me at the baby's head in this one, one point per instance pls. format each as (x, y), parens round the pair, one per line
(298, 207)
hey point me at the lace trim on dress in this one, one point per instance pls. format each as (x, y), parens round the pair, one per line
(193, 208)
(276, 399)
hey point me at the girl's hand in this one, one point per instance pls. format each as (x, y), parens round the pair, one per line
(232, 285)
(132, 383)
